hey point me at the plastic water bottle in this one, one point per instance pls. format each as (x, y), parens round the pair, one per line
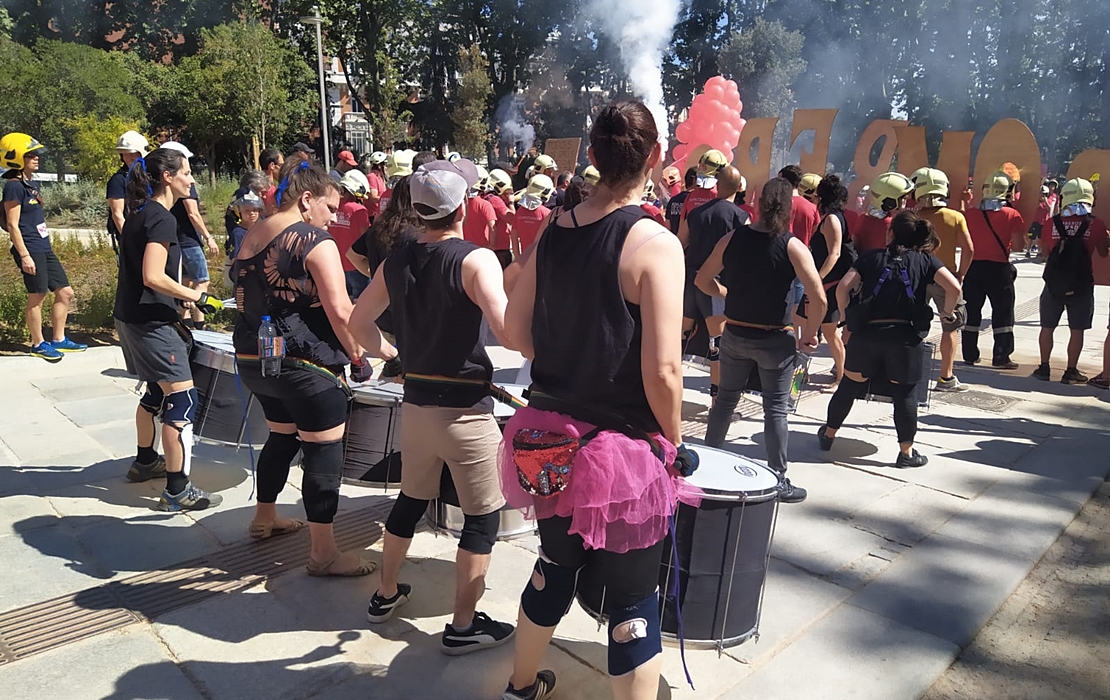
(271, 348)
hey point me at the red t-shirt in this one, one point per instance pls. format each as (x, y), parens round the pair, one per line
(351, 221)
(750, 209)
(527, 225)
(1006, 223)
(377, 182)
(805, 219)
(870, 233)
(479, 215)
(656, 213)
(501, 228)
(384, 201)
(852, 218)
(697, 197)
(270, 198)
(1096, 234)
(1044, 209)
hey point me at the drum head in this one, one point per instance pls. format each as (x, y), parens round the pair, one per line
(379, 394)
(212, 339)
(726, 476)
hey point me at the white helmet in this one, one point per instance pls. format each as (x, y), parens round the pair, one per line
(355, 183)
(133, 142)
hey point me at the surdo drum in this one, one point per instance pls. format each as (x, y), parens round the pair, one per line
(372, 441)
(227, 412)
(444, 514)
(723, 548)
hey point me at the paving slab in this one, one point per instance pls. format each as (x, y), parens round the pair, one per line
(68, 389)
(824, 547)
(42, 561)
(32, 511)
(121, 665)
(908, 514)
(116, 438)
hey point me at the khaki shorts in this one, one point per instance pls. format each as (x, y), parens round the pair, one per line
(935, 294)
(468, 441)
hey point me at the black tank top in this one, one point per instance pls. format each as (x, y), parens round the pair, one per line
(276, 283)
(586, 335)
(819, 247)
(438, 327)
(758, 274)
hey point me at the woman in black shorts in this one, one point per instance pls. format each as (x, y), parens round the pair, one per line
(892, 318)
(833, 256)
(288, 268)
(148, 320)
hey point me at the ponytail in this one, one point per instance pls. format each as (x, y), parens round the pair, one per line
(144, 179)
(139, 189)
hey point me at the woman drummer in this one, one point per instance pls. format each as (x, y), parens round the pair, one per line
(893, 318)
(832, 255)
(288, 268)
(598, 309)
(147, 314)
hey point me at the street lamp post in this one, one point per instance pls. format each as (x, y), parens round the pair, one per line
(316, 20)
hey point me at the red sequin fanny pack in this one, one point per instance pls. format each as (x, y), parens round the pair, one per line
(544, 458)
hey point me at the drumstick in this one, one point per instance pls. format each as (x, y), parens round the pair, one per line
(502, 394)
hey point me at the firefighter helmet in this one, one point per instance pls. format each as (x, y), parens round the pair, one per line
(998, 186)
(808, 186)
(711, 163)
(591, 176)
(1077, 191)
(354, 182)
(14, 147)
(930, 182)
(887, 191)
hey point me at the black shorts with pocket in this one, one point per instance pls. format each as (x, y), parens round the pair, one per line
(897, 357)
(49, 275)
(312, 398)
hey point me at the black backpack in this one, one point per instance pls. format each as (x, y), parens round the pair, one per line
(1068, 268)
(898, 301)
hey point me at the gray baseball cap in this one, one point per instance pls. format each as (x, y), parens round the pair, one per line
(439, 188)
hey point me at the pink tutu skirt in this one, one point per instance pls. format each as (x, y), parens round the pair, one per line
(620, 496)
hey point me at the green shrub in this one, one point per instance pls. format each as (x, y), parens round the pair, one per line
(76, 205)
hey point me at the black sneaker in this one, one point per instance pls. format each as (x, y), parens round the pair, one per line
(1005, 364)
(484, 633)
(1043, 372)
(145, 472)
(789, 493)
(381, 608)
(823, 439)
(1074, 376)
(913, 459)
(544, 687)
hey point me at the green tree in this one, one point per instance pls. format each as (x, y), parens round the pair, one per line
(764, 60)
(471, 100)
(94, 139)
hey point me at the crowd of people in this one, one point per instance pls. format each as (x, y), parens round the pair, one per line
(599, 277)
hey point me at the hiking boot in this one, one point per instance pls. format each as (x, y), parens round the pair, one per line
(145, 472)
(1043, 372)
(789, 493)
(1074, 376)
(544, 687)
(1005, 364)
(823, 440)
(952, 384)
(911, 460)
(67, 345)
(381, 608)
(1100, 382)
(46, 351)
(484, 633)
(192, 498)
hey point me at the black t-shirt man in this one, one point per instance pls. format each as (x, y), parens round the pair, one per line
(674, 210)
(708, 224)
(135, 302)
(187, 235)
(117, 189)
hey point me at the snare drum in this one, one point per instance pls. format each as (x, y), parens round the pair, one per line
(444, 513)
(723, 549)
(879, 388)
(227, 412)
(371, 442)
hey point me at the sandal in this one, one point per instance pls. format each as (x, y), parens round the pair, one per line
(1101, 381)
(264, 531)
(364, 567)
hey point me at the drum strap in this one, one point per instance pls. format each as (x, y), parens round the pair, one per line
(497, 392)
(673, 595)
(339, 379)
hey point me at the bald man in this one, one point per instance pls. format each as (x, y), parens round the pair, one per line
(699, 233)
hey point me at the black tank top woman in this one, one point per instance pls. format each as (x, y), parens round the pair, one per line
(276, 283)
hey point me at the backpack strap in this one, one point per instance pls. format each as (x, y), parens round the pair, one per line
(1005, 251)
(882, 280)
(1058, 224)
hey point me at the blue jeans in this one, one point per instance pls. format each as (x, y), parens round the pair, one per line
(774, 357)
(356, 283)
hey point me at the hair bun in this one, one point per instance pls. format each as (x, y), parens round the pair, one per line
(832, 179)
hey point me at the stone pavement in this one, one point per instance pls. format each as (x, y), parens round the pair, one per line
(876, 581)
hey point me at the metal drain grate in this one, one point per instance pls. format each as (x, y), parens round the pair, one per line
(981, 400)
(40, 627)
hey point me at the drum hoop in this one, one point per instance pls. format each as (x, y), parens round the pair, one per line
(760, 496)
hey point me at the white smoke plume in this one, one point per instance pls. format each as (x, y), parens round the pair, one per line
(510, 116)
(643, 30)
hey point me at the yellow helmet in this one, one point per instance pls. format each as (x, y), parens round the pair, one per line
(649, 191)
(711, 163)
(916, 175)
(482, 185)
(808, 186)
(540, 186)
(998, 186)
(1077, 191)
(591, 176)
(499, 181)
(399, 164)
(887, 191)
(545, 162)
(13, 147)
(930, 182)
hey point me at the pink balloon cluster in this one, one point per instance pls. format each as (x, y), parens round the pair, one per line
(714, 119)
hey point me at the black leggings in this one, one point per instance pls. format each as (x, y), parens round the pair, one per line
(905, 406)
(628, 578)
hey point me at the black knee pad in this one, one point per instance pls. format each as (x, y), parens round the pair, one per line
(323, 468)
(151, 401)
(634, 636)
(405, 516)
(479, 532)
(280, 448)
(550, 592)
(179, 409)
